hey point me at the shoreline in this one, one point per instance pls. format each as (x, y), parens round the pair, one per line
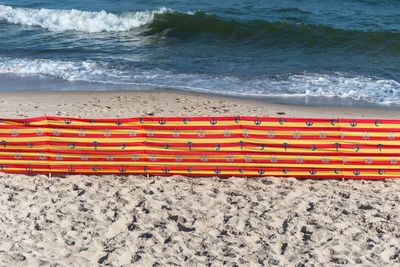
(125, 104)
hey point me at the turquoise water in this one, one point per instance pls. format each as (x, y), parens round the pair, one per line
(336, 51)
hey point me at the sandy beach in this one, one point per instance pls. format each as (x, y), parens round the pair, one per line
(78, 220)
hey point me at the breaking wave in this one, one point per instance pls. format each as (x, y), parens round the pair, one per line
(76, 20)
(344, 85)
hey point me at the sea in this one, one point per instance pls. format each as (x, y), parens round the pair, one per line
(305, 52)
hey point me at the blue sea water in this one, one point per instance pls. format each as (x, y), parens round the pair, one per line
(348, 50)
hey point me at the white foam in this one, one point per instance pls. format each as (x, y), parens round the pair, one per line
(344, 85)
(76, 20)
(87, 70)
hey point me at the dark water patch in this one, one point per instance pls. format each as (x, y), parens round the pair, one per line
(292, 10)
(266, 34)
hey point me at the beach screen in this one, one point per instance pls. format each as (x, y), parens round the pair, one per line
(203, 146)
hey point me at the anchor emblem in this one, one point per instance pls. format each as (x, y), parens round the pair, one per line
(72, 145)
(145, 169)
(237, 119)
(190, 145)
(309, 123)
(26, 123)
(380, 172)
(119, 123)
(68, 121)
(29, 169)
(257, 122)
(336, 145)
(333, 122)
(241, 144)
(337, 171)
(356, 172)
(162, 121)
(285, 170)
(260, 171)
(122, 169)
(353, 123)
(4, 143)
(71, 169)
(213, 122)
(30, 144)
(356, 148)
(380, 146)
(312, 172)
(261, 146)
(123, 146)
(217, 170)
(377, 122)
(241, 169)
(165, 170)
(91, 121)
(3, 167)
(186, 120)
(141, 120)
(217, 146)
(95, 169)
(95, 143)
(285, 146)
(282, 120)
(166, 146)
(190, 169)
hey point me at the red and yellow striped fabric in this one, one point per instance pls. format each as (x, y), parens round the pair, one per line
(205, 146)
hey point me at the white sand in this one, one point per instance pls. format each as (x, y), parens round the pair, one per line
(162, 221)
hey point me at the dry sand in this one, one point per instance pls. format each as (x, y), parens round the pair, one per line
(181, 221)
